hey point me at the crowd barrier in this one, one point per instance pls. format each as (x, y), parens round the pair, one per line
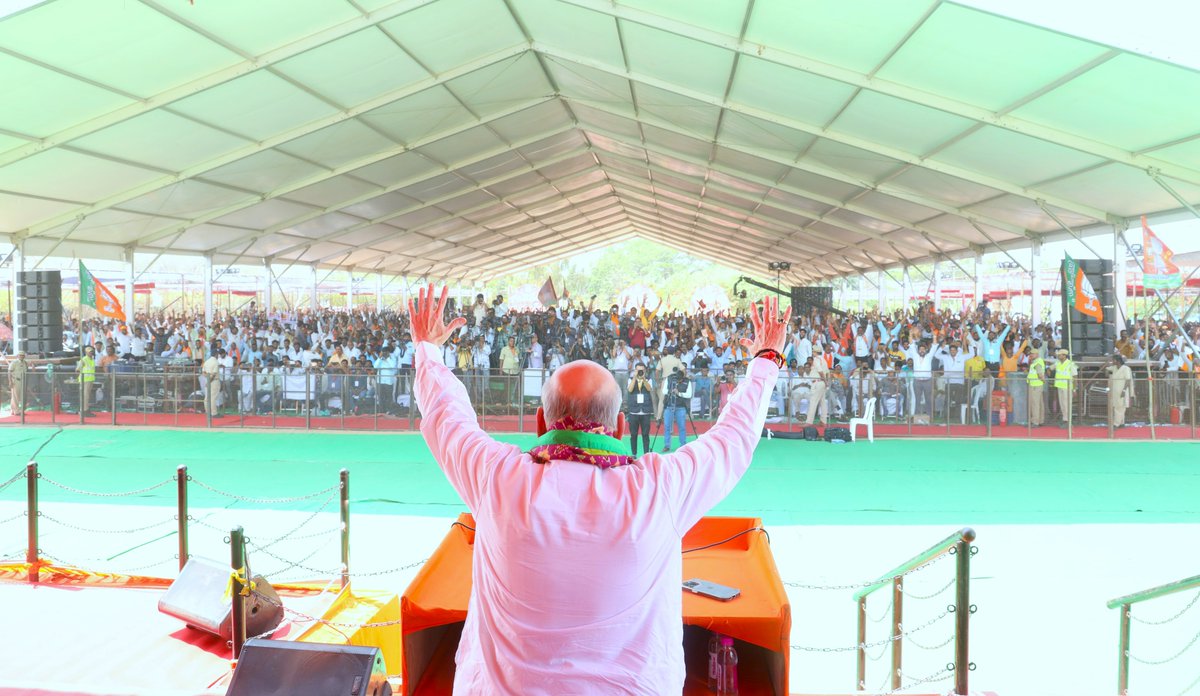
(1158, 406)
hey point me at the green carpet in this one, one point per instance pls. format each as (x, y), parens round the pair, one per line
(942, 482)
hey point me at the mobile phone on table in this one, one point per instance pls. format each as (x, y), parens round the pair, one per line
(711, 589)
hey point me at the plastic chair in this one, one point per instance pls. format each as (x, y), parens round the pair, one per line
(868, 420)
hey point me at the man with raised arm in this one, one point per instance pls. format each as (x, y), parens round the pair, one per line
(577, 563)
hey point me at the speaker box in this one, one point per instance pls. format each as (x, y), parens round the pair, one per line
(42, 333)
(39, 292)
(284, 668)
(40, 346)
(197, 597)
(40, 277)
(29, 305)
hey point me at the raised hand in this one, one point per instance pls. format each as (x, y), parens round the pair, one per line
(426, 317)
(769, 330)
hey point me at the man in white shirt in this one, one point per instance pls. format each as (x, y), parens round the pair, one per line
(923, 376)
(954, 364)
(124, 342)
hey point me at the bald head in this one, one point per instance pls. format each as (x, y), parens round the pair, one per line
(583, 390)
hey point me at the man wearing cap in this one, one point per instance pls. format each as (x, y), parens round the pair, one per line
(818, 373)
(1036, 378)
(575, 580)
(17, 368)
(1064, 382)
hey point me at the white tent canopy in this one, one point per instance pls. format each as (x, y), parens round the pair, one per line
(466, 139)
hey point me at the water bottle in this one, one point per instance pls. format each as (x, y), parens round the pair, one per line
(714, 657)
(727, 661)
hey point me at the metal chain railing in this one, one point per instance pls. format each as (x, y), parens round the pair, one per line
(77, 528)
(98, 494)
(913, 641)
(92, 561)
(887, 611)
(1172, 658)
(861, 585)
(945, 587)
(1181, 612)
(15, 477)
(944, 674)
(886, 641)
(264, 501)
(15, 517)
(1188, 689)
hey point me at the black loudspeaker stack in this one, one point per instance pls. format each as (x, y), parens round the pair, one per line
(40, 311)
(805, 298)
(1088, 338)
(281, 668)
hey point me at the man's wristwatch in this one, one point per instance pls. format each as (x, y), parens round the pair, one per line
(772, 355)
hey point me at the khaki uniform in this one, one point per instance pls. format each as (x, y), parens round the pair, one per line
(817, 405)
(211, 374)
(1064, 384)
(16, 384)
(1120, 380)
(1037, 387)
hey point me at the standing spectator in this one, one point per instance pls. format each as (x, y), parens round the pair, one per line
(17, 370)
(677, 397)
(211, 375)
(87, 378)
(385, 371)
(640, 407)
(510, 367)
(1120, 380)
(923, 377)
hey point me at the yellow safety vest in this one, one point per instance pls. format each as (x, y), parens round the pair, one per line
(1034, 379)
(1062, 378)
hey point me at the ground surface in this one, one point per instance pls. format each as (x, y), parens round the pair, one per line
(1063, 526)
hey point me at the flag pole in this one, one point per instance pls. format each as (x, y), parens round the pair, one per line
(1149, 371)
(1070, 352)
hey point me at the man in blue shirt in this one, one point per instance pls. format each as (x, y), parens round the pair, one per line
(385, 370)
(989, 348)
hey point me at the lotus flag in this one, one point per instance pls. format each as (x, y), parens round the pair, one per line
(93, 294)
(1079, 292)
(546, 295)
(1160, 272)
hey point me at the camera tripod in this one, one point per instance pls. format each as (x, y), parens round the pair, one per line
(659, 425)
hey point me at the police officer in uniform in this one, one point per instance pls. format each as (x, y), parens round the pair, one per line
(1037, 388)
(640, 409)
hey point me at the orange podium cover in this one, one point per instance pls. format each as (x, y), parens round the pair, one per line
(434, 607)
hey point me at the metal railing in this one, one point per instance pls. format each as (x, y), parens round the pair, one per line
(1162, 406)
(1126, 604)
(957, 544)
(35, 556)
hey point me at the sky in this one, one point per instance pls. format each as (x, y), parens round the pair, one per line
(1163, 29)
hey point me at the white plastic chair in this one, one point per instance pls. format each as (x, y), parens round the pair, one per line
(868, 420)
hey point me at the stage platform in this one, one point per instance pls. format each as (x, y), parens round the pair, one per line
(1063, 527)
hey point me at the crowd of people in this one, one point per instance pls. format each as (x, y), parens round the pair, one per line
(918, 364)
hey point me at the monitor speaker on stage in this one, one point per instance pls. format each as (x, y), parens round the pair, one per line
(285, 668)
(1090, 338)
(39, 311)
(197, 597)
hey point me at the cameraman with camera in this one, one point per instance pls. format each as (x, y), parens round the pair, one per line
(677, 399)
(640, 409)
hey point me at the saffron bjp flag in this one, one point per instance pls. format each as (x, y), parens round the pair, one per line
(93, 294)
(1159, 270)
(546, 295)
(1079, 291)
